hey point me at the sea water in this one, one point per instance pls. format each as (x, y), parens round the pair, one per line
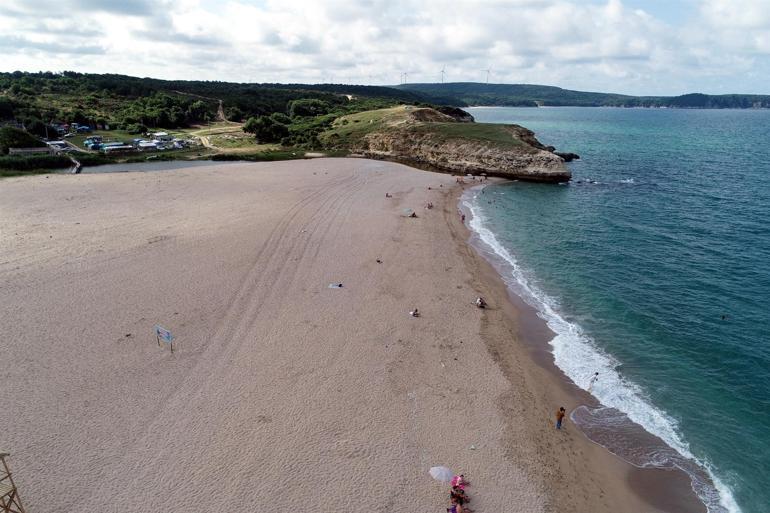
(653, 268)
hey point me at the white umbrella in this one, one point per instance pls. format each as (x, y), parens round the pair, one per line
(441, 474)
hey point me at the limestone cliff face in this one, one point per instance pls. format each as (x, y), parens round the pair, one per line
(432, 140)
(467, 157)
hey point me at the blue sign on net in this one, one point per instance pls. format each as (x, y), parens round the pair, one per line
(163, 334)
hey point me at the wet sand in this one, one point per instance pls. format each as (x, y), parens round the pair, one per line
(282, 394)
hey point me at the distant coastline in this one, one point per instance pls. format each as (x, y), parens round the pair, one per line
(466, 94)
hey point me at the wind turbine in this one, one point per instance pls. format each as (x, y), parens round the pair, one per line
(488, 71)
(443, 68)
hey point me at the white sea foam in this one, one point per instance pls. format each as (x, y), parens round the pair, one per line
(576, 354)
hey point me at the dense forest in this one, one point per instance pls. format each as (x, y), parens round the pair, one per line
(525, 95)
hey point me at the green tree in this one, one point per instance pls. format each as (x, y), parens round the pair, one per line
(280, 117)
(6, 108)
(308, 107)
(265, 129)
(234, 114)
(197, 111)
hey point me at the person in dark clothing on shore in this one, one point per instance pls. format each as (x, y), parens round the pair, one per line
(560, 417)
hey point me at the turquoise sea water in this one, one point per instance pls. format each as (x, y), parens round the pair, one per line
(663, 231)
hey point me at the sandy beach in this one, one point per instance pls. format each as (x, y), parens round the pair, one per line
(282, 394)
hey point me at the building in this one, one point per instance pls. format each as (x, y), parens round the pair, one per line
(117, 148)
(146, 146)
(58, 145)
(162, 137)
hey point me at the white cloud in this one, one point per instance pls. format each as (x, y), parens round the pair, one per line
(585, 44)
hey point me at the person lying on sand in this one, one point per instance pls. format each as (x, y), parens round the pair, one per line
(456, 507)
(458, 495)
(415, 313)
(480, 302)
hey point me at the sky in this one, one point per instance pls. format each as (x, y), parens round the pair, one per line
(642, 47)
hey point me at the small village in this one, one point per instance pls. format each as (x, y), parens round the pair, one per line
(157, 141)
(110, 143)
(74, 138)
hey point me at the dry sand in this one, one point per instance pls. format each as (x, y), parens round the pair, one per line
(282, 394)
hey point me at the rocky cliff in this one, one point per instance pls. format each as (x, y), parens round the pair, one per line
(429, 139)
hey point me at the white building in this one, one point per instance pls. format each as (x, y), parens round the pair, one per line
(162, 137)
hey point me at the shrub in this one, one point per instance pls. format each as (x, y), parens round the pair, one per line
(280, 117)
(31, 162)
(14, 138)
(136, 128)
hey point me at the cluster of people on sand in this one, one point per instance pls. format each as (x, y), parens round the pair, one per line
(458, 499)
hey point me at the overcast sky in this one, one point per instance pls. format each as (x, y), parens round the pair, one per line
(629, 46)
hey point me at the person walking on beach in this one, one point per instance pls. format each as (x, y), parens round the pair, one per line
(560, 416)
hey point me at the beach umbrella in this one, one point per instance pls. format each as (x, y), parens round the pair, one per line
(441, 474)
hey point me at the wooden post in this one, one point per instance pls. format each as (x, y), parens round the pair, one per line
(10, 502)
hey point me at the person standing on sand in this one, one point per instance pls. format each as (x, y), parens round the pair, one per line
(560, 416)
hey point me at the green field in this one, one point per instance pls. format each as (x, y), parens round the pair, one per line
(497, 135)
(349, 131)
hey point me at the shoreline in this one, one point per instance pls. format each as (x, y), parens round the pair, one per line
(273, 381)
(668, 490)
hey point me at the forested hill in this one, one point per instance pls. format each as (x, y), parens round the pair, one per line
(471, 93)
(36, 99)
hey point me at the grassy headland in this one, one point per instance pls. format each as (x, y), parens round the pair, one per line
(425, 137)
